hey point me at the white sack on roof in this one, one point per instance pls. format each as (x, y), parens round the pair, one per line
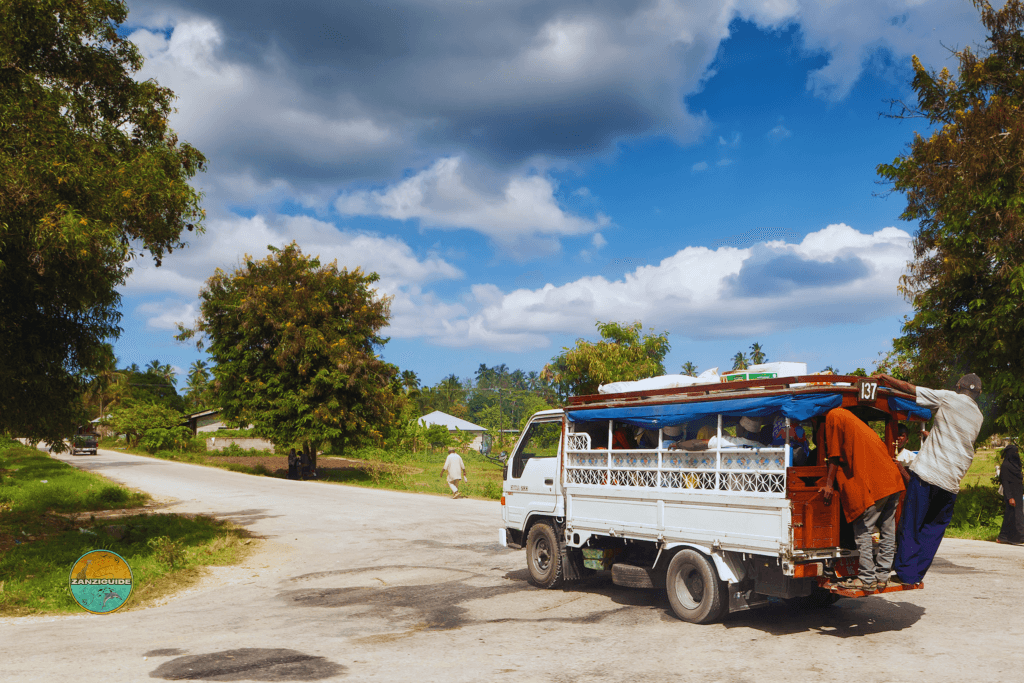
(662, 382)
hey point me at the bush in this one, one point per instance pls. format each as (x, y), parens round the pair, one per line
(492, 489)
(163, 439)
(978, 506)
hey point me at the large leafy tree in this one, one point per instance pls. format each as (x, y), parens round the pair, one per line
(90, 177)
(294, 344)
(623, 353)
(963, 184)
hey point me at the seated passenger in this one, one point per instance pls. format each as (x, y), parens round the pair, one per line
(797, 439)
(621, 438)
(704, 440)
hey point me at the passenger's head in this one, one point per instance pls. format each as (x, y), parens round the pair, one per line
(902, 435)
(970, 385)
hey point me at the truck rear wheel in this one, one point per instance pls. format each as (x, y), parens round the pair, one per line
(694, 591)
(542, 556)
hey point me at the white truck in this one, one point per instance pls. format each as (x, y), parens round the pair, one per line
(723, 528)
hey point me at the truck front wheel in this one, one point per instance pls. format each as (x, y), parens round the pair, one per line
(694, 591)
(542, 556)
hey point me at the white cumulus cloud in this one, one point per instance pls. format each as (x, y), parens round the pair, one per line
(523, 217)
(834, 275)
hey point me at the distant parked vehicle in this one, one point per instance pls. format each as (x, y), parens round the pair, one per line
(84, 443)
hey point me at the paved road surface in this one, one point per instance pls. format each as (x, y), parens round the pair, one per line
(359, 584)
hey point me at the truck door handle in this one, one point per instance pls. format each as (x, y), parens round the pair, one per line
(549, 482)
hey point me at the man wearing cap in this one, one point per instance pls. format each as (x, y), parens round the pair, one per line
(455, 469)
(936, 472)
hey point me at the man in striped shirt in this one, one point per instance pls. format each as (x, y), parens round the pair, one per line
(936, 472)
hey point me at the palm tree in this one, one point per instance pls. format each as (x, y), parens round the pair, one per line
(198, 383)
(198, 372)
(410, 381)
(105, 374)
(739, 361)
(831, 370)
(167, 372)
(450, 390)
(533, 380)
(689, 369)
(756, 354)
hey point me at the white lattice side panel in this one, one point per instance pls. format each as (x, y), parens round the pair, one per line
(578, 442)
(586, 477)
(593, 459)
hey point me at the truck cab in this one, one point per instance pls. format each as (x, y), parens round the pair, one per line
(532, 482)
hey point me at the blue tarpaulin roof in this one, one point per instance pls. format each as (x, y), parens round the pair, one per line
(795, 406)
(913, 411)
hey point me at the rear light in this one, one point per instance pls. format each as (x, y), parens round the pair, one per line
(503, 500)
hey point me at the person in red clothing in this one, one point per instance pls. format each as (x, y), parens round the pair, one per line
(869, 485)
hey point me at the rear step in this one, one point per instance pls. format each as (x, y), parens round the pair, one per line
(850, 593)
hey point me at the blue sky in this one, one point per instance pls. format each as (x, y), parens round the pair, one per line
(516, 171)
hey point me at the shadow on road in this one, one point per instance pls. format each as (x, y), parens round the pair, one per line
(847, 618)
(244, 517)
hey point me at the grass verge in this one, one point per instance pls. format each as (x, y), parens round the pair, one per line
(45, 527)
(978, 513)
(420, 471)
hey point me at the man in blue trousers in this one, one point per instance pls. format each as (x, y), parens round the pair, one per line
(936, 473)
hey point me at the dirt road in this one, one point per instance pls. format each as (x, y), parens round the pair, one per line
(361, 584)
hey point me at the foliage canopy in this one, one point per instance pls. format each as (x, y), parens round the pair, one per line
(624, 353)
(90, 177)
(963, 184)
(294, 343)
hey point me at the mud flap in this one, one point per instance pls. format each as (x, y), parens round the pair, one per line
(572, 563)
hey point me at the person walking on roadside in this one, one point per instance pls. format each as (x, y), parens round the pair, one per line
(455, 470)
(869, 490)
(936, 472)
(1013, 510)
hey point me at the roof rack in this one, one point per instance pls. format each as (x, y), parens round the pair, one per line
(728, 390)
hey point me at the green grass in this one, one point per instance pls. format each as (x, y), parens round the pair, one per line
(39, 546)
(978, 513)
(418, 471)
(31, 483)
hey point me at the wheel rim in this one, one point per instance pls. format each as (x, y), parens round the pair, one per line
(542, 555)
(689, 587)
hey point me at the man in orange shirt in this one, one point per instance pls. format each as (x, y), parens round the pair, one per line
(869, 490)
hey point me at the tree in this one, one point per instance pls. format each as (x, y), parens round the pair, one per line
(963, 185)
(104, 376)
(689, 369)
(756, 354)
(295, 346)
(623, 354)
(410, 381)
(740, 361)
(451, 396)
(137, 418)
(90, 177)
(198, 388)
